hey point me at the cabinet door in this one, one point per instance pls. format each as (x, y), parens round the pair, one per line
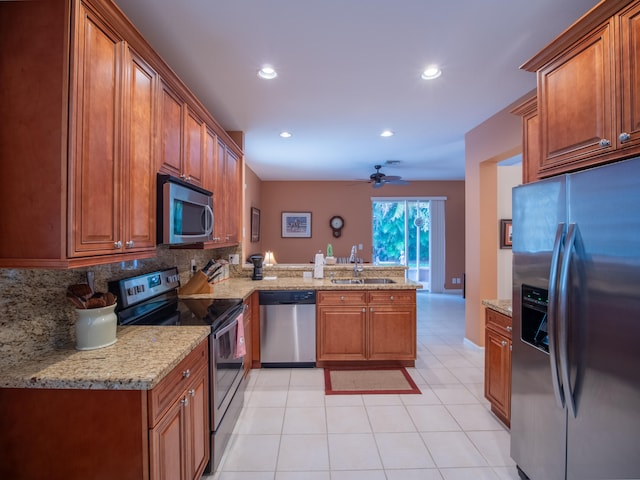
(220, 195)
(193, 170)
(139, 172)
(209, 163)
(576, 104)
(341, 333)
(232, 178)
(197, 426)
(167, 444)
(96, 201)
(392, 332)
(630, 78)
(171, 120)
(497, 382)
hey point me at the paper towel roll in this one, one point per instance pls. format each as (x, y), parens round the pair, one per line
(318, 268)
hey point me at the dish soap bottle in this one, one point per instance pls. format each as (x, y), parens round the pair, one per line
(330, 260)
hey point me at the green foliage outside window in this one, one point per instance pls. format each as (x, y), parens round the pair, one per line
(391, 219)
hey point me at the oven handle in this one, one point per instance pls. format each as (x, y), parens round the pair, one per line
(231, 324)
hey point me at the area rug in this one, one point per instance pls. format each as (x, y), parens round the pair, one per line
(372, 381)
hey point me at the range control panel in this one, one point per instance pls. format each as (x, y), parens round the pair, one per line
(137, 289)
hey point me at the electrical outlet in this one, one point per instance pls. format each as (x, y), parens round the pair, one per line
(359, 246)
(193, 265)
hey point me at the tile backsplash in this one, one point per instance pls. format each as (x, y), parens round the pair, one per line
(36, 316)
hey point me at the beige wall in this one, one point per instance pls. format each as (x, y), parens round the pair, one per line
(508, 177)
(252, 192)
(352, 201)
(494, 140)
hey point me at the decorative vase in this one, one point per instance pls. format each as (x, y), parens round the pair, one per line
(96, 327)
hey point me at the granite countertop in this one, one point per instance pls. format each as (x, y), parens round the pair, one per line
(242, 287)
(140, 358)
(502, 306)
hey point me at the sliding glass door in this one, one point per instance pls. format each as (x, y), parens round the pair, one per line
(401, 236)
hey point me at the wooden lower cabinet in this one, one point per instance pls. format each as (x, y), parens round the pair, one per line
(75, 434)
(497, 371)
(366, 326)
(179, 442)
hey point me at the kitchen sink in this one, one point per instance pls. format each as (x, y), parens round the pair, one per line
(361, 281)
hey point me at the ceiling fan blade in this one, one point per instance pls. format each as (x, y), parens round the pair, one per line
(398, 182)
(390, 178)
(377, 184)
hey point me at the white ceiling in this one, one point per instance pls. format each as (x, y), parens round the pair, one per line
(348, 69)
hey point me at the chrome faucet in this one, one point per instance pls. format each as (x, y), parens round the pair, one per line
(354, 258)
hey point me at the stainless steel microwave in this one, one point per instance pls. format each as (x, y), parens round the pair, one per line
(185, 212)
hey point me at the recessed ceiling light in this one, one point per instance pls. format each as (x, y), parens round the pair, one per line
(387, 133)
(431, 72)
(267, 73)
(285, 134)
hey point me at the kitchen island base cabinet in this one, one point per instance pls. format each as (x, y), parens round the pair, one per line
(497, 371)
(366, 327)
(70, 434)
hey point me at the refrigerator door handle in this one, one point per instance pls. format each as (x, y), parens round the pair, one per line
(551, 315)
(563, 308)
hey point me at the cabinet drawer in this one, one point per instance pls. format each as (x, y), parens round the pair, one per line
(172, 386)
(392, 296)
(341, 297)
(499, 323)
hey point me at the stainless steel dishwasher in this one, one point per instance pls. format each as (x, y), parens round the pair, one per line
(288, 328)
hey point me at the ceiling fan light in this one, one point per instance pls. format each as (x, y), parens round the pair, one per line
(387, 133)
(285, 134)
(267, 72)
(431, 72)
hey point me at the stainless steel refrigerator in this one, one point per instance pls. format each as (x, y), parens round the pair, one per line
(575, 405)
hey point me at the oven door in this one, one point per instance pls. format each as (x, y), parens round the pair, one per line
(227, 367)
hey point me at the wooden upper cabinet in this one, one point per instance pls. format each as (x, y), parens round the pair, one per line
(576, 102)
(588, 81)
(181, 138)
(629, 27)
(139, 162)
(171, 119)
(96, 206)
(531, 149)
(114, 156)
(233, 177)
(209, 162)
(193, 170)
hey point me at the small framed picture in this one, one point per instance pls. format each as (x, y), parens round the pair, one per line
(506, 235)
(255, 224)
(296, 224)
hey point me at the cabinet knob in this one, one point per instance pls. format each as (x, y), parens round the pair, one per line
(391, 298)
(342, 298)
(184, 402)
(186, 373)
(624, 137)
(509, 329)
(117, 244)
(129, 244)
(604, 143)
(364, 310)
(503, 343)
(192, 392)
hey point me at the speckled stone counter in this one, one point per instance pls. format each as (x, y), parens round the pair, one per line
(243, 287)
(502, 306)
(140, 358)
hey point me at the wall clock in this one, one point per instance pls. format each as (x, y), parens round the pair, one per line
(336, 223)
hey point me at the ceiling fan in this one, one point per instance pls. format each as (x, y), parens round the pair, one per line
(378, 179)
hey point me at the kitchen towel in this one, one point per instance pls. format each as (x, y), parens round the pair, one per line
(241, 348)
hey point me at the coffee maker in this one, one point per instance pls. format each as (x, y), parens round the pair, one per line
(257, 266)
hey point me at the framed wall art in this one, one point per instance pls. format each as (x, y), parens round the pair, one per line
(506, 235)
(255, 224)
(296, 224)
